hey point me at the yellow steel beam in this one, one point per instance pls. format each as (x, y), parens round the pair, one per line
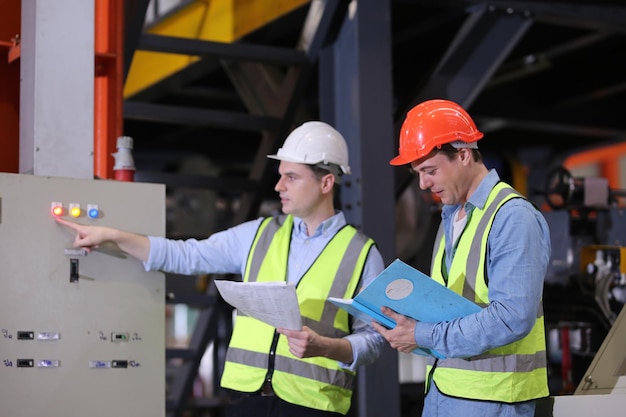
(212, 20)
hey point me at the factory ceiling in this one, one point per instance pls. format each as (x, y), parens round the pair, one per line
(534, 74)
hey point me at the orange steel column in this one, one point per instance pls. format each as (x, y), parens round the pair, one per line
(10, 19)
(109, 68)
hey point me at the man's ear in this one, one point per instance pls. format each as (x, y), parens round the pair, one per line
(465, 154)
(328, 182)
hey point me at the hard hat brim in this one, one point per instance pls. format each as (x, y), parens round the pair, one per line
(402, 160)
(288, 159)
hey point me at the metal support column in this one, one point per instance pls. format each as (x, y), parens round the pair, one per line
(57, 88)
(355, 95)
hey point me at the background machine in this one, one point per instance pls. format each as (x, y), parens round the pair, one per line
(586, 280)
(584, 296)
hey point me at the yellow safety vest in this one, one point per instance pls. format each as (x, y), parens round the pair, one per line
(256, 352)
(512, 373)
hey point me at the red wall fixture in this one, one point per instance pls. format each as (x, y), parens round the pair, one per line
(109, 53)
(10, 17)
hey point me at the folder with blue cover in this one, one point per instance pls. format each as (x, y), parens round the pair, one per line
(410, 292)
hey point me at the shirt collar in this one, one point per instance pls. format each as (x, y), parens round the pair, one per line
(478, 197)
(329, 226)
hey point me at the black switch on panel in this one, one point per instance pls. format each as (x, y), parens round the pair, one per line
(73, 270)
(25, 363)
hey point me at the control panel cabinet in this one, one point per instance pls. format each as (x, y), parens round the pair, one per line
(81, 334)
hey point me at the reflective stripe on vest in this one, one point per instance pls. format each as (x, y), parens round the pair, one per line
(318, 383)
(511, 373)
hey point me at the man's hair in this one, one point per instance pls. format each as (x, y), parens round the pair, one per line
(320, 171)
(450, 151)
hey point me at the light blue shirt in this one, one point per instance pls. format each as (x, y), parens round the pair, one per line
(518, 251)
(226, 252)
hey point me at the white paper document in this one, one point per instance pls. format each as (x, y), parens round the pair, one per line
(274, 303)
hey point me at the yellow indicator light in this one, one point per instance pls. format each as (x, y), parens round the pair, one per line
(75, 211)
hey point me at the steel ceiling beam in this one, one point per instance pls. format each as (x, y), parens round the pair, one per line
(161, 113)
(480, 46)
(235, 50)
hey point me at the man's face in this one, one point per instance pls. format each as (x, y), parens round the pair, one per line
(444, 177)
(299, 189)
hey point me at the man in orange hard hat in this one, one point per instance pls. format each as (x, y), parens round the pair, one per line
(493, 248)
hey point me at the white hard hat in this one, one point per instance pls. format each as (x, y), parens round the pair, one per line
(314, 143)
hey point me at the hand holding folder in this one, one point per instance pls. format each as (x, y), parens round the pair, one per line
(410, 292)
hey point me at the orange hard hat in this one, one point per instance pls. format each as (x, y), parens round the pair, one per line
(433, 123)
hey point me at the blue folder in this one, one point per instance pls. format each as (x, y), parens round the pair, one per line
(410, 292)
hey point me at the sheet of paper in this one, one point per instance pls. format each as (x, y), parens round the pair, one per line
(274, 303)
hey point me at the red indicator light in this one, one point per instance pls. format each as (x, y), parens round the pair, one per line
(57, 211)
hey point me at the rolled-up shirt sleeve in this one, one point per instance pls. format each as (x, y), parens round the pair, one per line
(224, 252)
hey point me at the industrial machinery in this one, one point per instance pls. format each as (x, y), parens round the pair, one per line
(602, 391)
(584, 296)
(81, 334)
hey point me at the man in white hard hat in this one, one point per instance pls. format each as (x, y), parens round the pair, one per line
(278, 372)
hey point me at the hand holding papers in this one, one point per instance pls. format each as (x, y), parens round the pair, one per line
(411, 293)
(274, 303)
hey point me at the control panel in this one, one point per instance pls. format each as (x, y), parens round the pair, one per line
(82, 332)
